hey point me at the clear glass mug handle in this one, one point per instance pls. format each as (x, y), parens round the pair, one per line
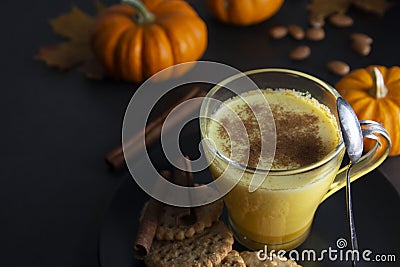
(368, 162)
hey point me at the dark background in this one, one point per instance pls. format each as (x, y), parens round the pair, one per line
(56, 127)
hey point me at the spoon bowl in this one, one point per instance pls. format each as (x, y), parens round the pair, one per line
(351, 130)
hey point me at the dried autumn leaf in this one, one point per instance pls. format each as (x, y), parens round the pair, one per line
(378, 7)
(64, 56)
(325, 8)
(75, 26)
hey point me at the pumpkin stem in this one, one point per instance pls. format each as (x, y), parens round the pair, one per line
(379, 89)
(142, 14)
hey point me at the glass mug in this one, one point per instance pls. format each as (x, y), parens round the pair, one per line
(280, 215)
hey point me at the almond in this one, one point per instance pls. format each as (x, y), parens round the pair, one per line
(296, 31)
(338, 67)
(361, 38)
(278, 32)
(341, 20)
(361, 48)
(300, 53)
(315, 34)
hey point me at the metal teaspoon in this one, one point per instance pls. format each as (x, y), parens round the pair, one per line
(353, 140)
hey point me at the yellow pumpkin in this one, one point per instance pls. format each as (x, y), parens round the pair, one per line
(243, 12)
(374, 94)
(137, 39)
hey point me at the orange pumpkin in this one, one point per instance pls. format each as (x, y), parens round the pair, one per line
(243, 12)
(374, 94)
(135, 40)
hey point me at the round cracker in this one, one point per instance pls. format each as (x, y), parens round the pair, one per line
(204, 249)
(205, 216)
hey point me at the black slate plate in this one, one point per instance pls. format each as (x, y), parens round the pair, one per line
(376, 207)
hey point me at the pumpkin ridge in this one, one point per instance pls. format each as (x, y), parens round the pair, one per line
(394, 104)
(191, 40)
(354, 83)
(176, 41)
(239, 10)
(104, 43)
(393, 75)
(391, 122)
(356, 97)
(135, 56)
(379, 114)
(156, 50)
(172, 42)
(392, 82)
(396, 140)
(111, 21)
(120, 51)
(394, 96)
(362, 76)
(365, 108)
(184, 38)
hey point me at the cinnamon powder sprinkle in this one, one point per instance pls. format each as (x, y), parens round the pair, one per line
(298, 142)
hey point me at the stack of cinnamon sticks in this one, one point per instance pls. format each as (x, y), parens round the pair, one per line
(149, 218)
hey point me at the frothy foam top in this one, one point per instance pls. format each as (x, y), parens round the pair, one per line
(243, 129)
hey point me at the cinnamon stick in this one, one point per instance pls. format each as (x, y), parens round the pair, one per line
(186, 216)
(147, 228)
(152, 132)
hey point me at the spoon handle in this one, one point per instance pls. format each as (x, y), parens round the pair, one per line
(350, 216)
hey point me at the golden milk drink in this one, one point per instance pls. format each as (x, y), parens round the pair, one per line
(281, 210)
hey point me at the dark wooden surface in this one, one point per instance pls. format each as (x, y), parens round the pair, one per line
(56, 190)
